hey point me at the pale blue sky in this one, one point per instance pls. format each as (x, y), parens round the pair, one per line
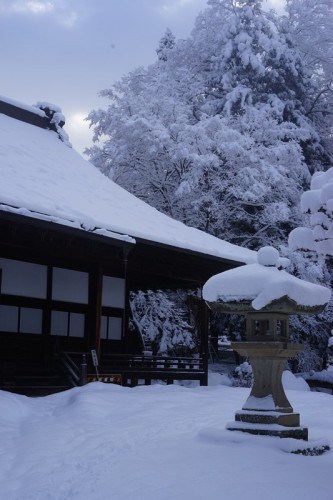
(66, 51)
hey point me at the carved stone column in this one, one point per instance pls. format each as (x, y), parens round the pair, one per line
(267, 410)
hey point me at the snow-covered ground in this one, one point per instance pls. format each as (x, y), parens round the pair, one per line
(106, 442)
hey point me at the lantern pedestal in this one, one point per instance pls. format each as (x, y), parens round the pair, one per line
(267, 410)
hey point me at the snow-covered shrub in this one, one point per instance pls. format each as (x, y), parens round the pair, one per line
(163, 322)
(310, 250)
(307, 360)
(232, 326)
(243, 376)
(329, 352)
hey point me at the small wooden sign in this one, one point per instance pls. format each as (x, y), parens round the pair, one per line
(94, 357)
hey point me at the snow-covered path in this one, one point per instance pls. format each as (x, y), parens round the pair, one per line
(158, 442)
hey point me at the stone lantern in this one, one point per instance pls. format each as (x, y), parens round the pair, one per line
(267, 296)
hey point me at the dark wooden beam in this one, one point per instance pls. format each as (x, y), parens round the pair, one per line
(93, 327)
(24, 115)
(49, 243)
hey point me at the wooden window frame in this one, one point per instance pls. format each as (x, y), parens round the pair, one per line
(18, 323)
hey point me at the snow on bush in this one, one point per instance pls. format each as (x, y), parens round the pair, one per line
(162, 322)
(301, 238)
(243, 376)
(318, 202)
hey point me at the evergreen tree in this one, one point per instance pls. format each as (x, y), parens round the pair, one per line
(310, 250)
(215, 132)
(221, 131)
(161, 319)
(318, 203)
(310, 24)
(166, 44)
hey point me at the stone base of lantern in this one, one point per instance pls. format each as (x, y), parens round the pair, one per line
(284, 425)
(265, 417)
(267, 410)
(276, 430)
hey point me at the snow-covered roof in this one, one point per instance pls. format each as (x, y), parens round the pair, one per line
(32, 109)
(261, 284)
(43, 178)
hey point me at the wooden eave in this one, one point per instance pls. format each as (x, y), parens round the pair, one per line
(149, 264)
(37, 237)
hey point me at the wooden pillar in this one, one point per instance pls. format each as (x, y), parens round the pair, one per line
(49, 346)
(126, 344)
(204, 334)
(95, 309)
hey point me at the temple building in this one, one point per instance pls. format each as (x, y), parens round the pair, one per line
(73, 244)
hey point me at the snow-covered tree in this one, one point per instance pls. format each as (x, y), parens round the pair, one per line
(310, 250)
(310, 23)
(163, 322)
(166, 44)
(220, 132)
(214, 133)
(310, 26)
(318, 203)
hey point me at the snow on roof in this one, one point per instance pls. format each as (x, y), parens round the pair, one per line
(32, 109)
(43, 178)
(262, 283)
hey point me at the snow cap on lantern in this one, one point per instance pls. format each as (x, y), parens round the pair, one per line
(263, 287)
(268, 256)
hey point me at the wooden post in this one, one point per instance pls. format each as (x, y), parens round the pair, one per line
(126, 344)
(95, 309)
(83, 371)
(49, 345)
(204, 330)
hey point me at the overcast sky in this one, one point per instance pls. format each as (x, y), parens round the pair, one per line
(66, 51)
